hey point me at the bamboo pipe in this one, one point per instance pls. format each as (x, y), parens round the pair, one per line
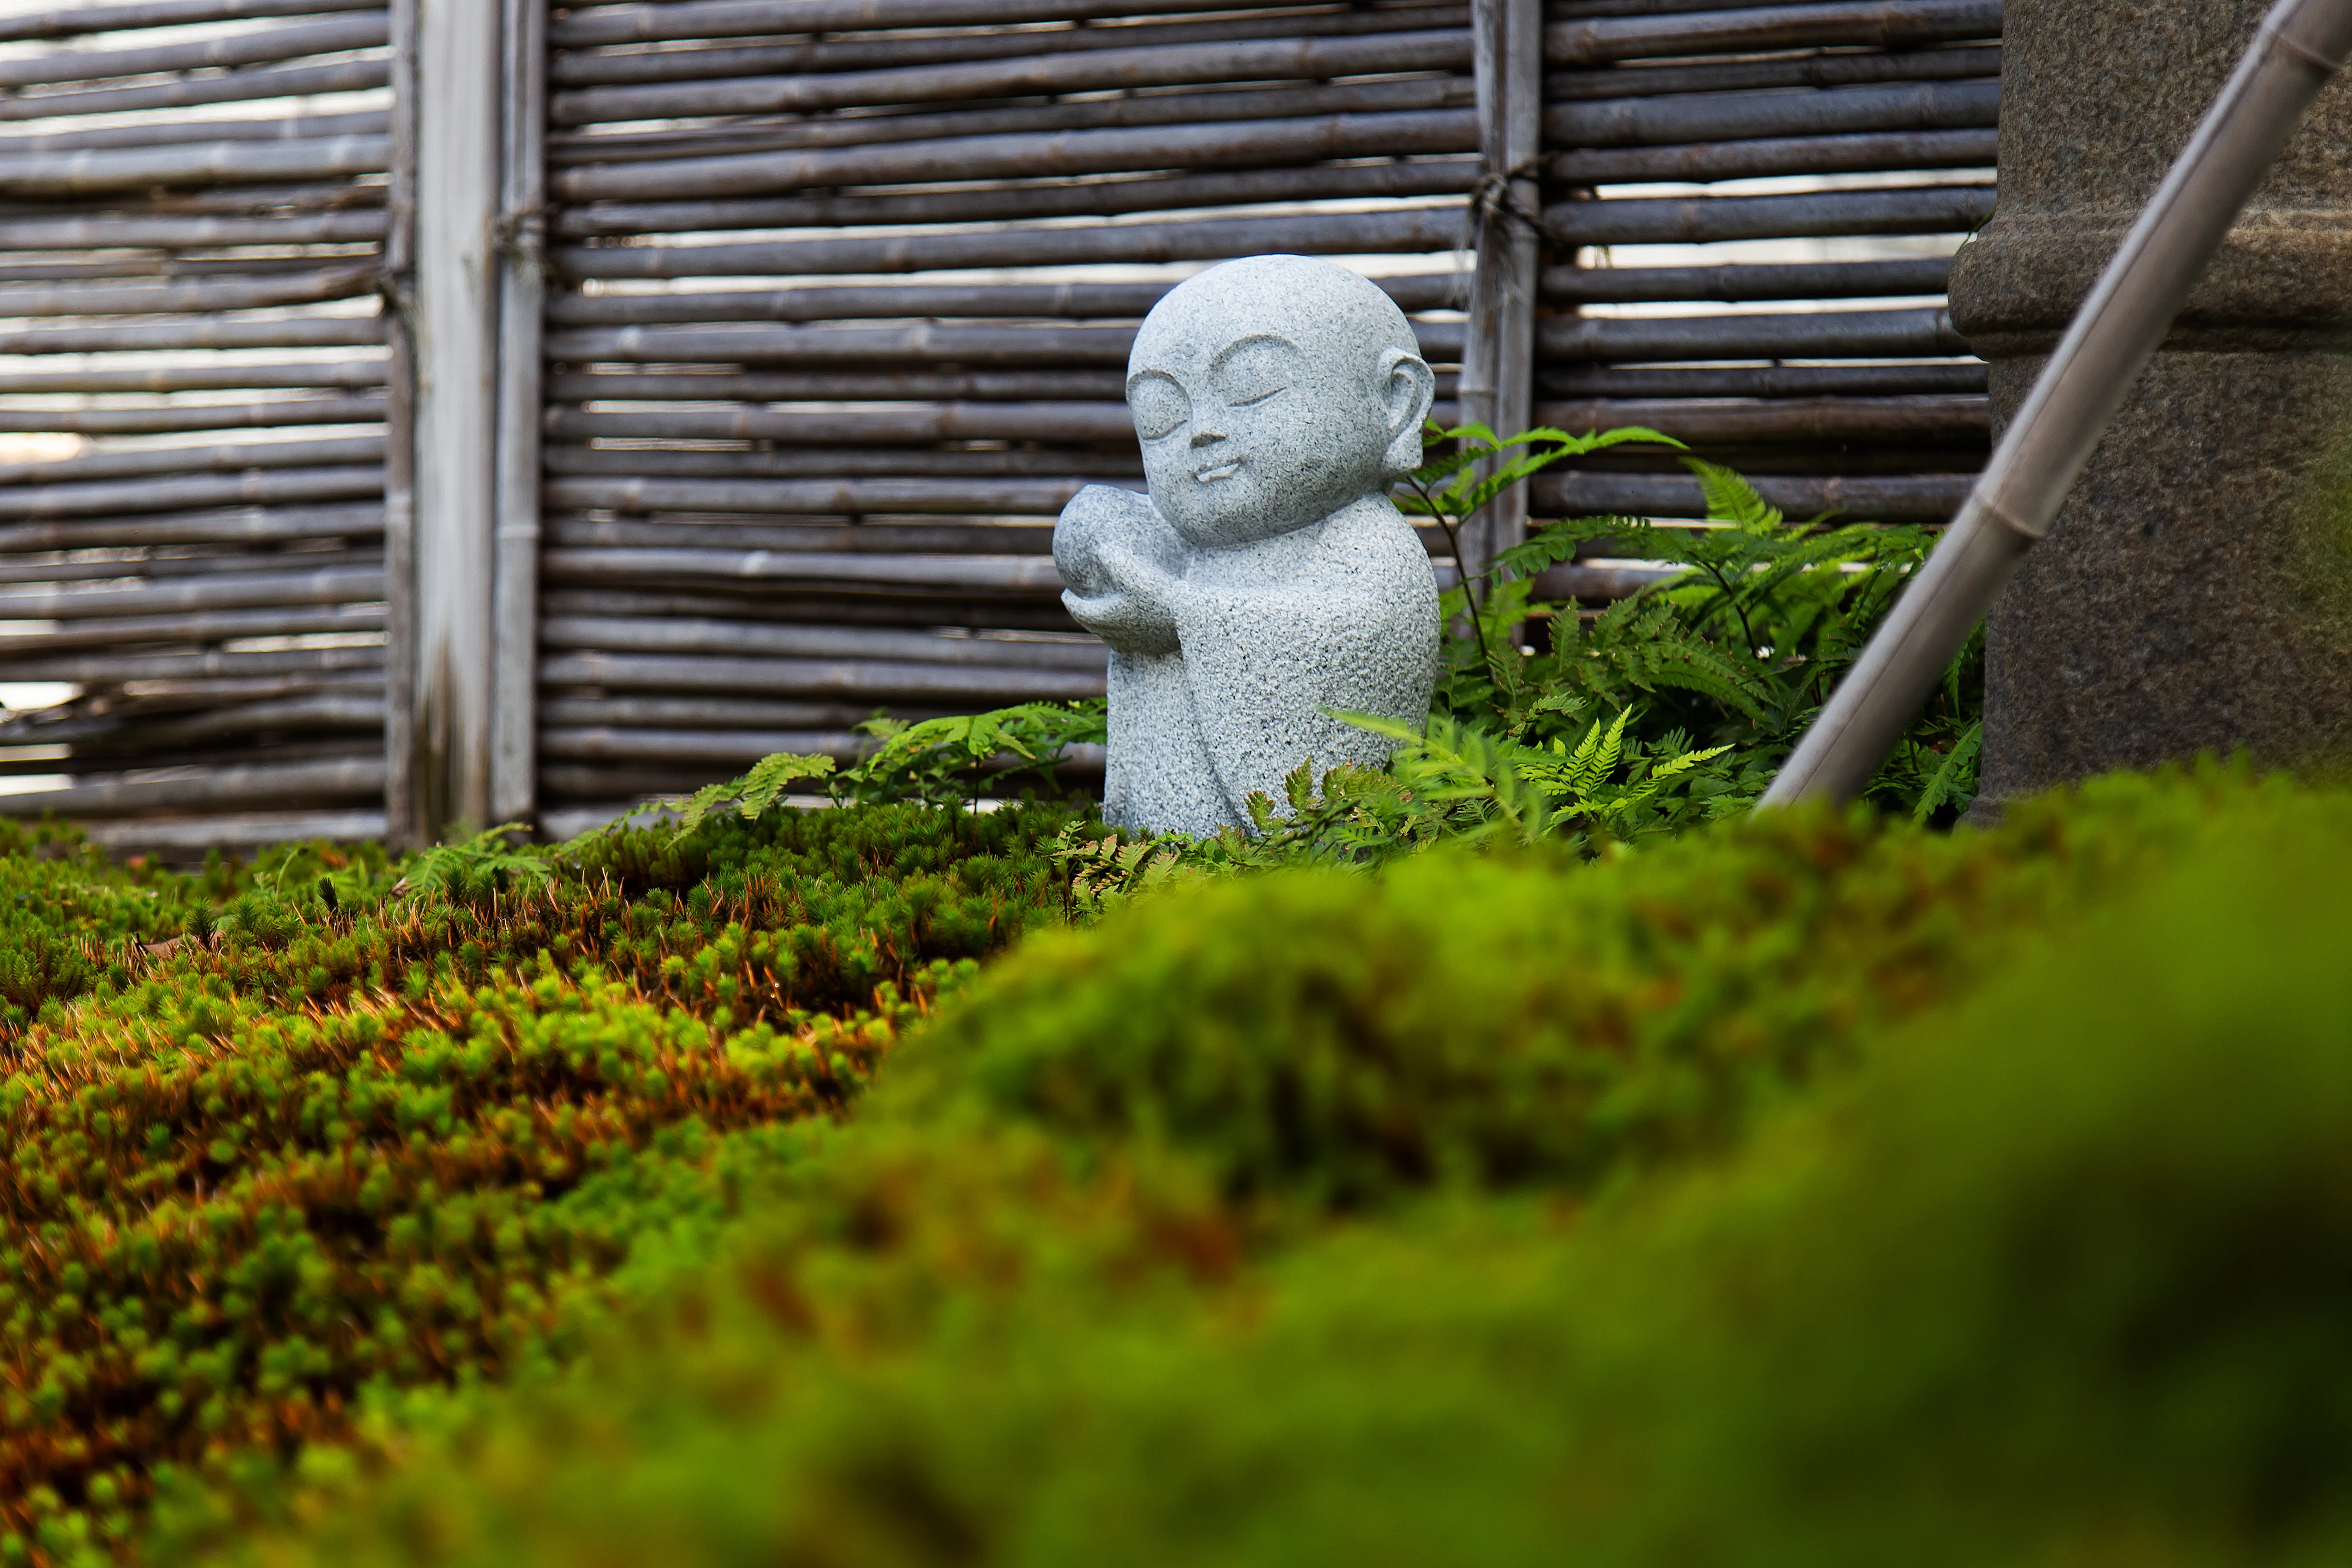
(2301, 46)
(74, 19)
(1154, 64)
(606, 634)
(106, 170)
(1842, 24)
(253, 525)
(1409, 232)
(1090, 198)
(1695, 220)
(1773, 156)
(1827, 70)
(817, 678)
(613, 146)
(1034, 155)
(1681, 119)
(189, 418)
(1827, 335)
(265, 487)
(809, 56)
(248, 86)
(1927, 498)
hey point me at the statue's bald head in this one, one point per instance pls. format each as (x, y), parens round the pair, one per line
(1270, 392)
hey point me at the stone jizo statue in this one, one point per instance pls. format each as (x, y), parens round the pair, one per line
(1267, 577)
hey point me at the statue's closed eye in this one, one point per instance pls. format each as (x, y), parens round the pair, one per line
(1256, 369)
(1158, 403)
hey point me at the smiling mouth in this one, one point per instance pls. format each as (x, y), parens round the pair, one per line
(1222, 471)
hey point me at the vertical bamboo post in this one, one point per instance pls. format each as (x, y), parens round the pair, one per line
(1498, 361)
(523, 288)
(397, 288)
(458, 145)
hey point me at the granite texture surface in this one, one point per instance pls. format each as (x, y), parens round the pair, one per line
(1267, 578)
(2191, 595)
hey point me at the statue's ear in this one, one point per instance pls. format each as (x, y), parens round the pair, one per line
(1408, 387)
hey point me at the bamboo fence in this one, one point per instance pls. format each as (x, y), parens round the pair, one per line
(188, 297)
(808, 316)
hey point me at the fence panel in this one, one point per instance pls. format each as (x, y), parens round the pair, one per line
(841, 321)
(193, 379)
(1748, 210)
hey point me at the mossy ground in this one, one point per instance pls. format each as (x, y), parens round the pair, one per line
(1810, 1189)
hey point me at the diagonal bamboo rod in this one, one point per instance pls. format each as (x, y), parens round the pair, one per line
(2301, 46)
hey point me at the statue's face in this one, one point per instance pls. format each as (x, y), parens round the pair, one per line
(1248, 434)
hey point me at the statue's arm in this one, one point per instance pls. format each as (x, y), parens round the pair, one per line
(1121, 566)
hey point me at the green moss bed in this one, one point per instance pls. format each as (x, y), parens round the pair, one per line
(834, 1189)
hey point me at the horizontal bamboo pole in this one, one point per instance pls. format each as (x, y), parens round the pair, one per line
(819, 497)
(264, 785)
(116, 669)
(331, 713)
(134, 597)
(843, 302)
(1817, 71)
(1761, 381)
(877, 426)
(1776, 156)
(130, 722)
(1046, 74)
(1682, 118)
(164, 231)
(110, 562)
(855, 463)
(251, 85)
(574, 531)
(872, 679)
(176, 840)
(188, 295)
(1841, 24)
(226, 455)
(302, 374)
(697, 713)
(1035, 155)
(615, 147)
(1927, 498)
(605, 634)
(82, 16)
(994, 345)
(676, 20)
(967, 574)
(723, 748)
(268, 487)
(250, 525)
(1826, 334)
(1962, 421)
(1797, 280)
(1408, 232)
(114, 171)
(199, 332)
(259, 45)
(1030, 203)
(159, 131)
(873, 386)
(128, 268)
(184, 628)
(172, 418)
(922, 607)
(203, 694)
(809, 56)
(1692, 220)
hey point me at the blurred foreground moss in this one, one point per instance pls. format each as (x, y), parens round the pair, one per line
(1807, 1191)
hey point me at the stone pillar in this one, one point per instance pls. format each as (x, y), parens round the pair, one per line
(2193, 595)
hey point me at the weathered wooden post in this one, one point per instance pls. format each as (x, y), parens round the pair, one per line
(462, 642)
(2189, 596)
(1498, 360)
